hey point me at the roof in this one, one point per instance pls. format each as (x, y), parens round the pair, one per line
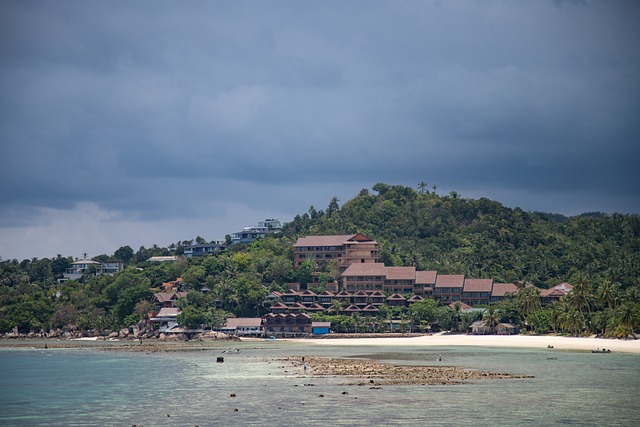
(450, 281)
(84, 261)
(557, 291)
(426, 277)
(366, 269)
(326, 294)
(163, 296)
(501, 289)
(396, 297)
(463, 306)
(240, 322)
(163, 258)
(400, 273)
(478, 285)
(320, 324)
(336, 240)
(168, 312)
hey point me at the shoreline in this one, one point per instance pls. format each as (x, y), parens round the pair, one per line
(500, 341)
(541, 342)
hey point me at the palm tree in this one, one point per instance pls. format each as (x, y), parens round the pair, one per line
(422, 187)
(529, 300)
(629, 316)
(581, 294)
(609, 293)
(336, 305)
(491, 317)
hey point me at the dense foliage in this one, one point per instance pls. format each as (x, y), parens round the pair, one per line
(598, 253)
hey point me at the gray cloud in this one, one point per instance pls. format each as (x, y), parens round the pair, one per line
(215, 114)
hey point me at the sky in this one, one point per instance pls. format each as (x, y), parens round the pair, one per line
(151, 122)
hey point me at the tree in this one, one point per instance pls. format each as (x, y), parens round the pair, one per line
(124, 254)
(528, 298)
(422, 187)
(491, 317)
(191, 317)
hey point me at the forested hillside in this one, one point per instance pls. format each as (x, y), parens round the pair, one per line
(598, 253)
(481, 238)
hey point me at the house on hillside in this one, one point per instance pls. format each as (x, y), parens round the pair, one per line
(85, 266)
(551, 295)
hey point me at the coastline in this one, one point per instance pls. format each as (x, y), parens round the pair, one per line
(502, 341)
(542, 342)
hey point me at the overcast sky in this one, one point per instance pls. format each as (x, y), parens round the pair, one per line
(134, 123)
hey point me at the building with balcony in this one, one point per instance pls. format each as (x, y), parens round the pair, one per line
(346, 249)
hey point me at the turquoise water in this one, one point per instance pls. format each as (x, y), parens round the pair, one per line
(89, 387)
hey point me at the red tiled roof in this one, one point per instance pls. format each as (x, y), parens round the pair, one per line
(463, 306)
(557, 291)
(326, 294)
(396, 297)
(450, 281)
(400, 273)
(371, 308)
(163, 296)
(501, 289)
(323, 240)
(426, 277)
(365, 269)
(279, 305)
(478, 285)
(169, 312)
(415, 298)
(337, 240)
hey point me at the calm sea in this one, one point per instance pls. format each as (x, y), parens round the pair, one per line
(89, 387)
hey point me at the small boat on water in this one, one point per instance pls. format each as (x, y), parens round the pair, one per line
(271, 338)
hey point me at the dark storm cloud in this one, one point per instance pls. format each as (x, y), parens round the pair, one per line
(148, 111)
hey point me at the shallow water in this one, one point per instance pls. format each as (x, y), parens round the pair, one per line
(88, 387)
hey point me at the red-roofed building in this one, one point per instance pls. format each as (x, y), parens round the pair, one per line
(425, 282)
(501, 290)
(347, 249)
(448, 287)
(477, 291)
(364, 277)
(399, 279)
(551, 295)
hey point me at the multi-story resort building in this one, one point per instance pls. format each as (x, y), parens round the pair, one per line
(346, 249)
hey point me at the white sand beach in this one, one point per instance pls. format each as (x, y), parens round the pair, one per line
(514, 341)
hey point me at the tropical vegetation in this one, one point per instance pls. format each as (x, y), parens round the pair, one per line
(599, 254)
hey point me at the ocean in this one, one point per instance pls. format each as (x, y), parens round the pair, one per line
(90, 387)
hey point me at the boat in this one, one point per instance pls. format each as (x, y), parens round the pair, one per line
(604, 350)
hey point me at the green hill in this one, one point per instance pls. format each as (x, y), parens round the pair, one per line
(482, 238)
